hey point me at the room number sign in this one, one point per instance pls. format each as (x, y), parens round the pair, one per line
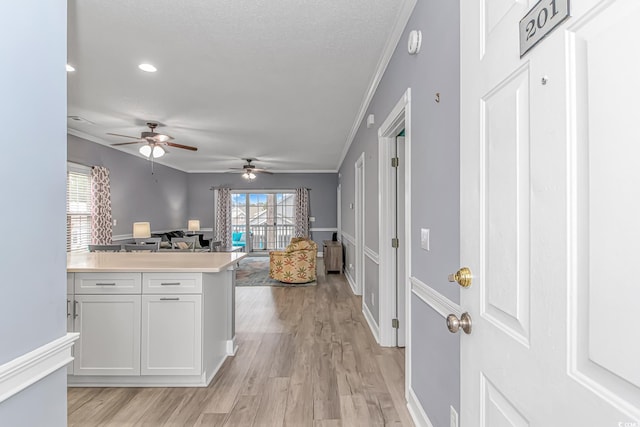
(540, 21)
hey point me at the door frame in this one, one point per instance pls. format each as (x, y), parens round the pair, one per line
(359, 223)
(399, 118)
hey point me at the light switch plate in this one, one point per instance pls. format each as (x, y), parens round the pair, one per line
(312, 219)
(424, 239)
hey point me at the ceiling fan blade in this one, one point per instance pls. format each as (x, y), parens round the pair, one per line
(123, 136)
(186, 147)
(127, 143)
(263, 171)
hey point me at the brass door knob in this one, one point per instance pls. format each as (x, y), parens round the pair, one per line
(454, 324)
(462, 276)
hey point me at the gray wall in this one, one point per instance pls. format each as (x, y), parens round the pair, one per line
(33, 186)
(136, 193)
(322, 194)
(435, 186)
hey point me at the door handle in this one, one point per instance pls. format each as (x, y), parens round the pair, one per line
(454, 324)
(462, 276)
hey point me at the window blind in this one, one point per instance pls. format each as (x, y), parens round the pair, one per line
(78, 210)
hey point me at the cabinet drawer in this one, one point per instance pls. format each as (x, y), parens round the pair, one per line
(108, 283)
(171, 283)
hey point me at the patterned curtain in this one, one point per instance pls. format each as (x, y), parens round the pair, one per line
(223, 216)
(101, 231)
(302, 212)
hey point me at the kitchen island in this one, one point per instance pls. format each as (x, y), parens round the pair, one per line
(150, 319)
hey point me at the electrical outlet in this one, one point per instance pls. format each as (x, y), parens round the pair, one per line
(453, 417)
(115, 222)
(312, 219)
(350, 266)
(373, 298)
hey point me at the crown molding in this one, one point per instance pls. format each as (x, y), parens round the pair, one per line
(396, 33)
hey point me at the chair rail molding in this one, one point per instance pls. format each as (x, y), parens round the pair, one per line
(348, 237)
(372, 255)
(443, 305)
(25, 370)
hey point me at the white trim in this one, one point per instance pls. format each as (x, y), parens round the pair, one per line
(372, 255)
(360, 217)
(418, 415)
(348, 237)
(443, 305)
(339, 209)
(324, 229)
(25, 370)
(79, 168)
(392, 41)
(352, 282)
(232, 347)
(399, 118)
(226, 171)
(371, 321)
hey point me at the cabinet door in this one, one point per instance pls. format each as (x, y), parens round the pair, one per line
(109, 327)
(171, 334)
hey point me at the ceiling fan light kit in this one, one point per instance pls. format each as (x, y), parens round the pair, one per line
(153, 142)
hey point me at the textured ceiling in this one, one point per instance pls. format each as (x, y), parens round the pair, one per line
(281, 81)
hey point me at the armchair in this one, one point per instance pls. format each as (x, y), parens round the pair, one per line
(296, 264)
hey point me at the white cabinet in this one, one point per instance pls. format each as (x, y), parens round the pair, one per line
(108, 283)
(171, 334)
(109, 327)
(171, 283)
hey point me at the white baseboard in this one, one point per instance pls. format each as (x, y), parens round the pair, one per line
(371, 321)
(352, 282)
(419, 417)
(232, 347)
(25, 370)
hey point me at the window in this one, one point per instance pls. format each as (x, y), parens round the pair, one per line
(268, 217)
(78, 208)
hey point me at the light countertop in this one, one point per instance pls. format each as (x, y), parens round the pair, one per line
(203, 262)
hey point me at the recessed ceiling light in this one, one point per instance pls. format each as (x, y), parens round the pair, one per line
(70, 68)
(148, 68)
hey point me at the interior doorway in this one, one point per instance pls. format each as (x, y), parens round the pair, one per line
(394, 139)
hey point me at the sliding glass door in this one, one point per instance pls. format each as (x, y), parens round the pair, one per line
(263, 220)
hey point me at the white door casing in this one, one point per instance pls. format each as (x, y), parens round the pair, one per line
(392, 299)
(548, 227)
(359, 223)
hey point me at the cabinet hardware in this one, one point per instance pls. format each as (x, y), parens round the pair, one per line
(170, 284)
(68, 311)
(170, 299)
(105, 284)
(75, 309)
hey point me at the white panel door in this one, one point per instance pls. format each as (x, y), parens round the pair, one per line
(109, 327)
(171, 334)
(549, 176)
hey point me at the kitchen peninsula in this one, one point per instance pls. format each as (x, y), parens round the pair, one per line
(150, 319)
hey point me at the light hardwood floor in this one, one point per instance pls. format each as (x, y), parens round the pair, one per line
(306, 357)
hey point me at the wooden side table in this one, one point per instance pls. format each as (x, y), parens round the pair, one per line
(332, 254)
